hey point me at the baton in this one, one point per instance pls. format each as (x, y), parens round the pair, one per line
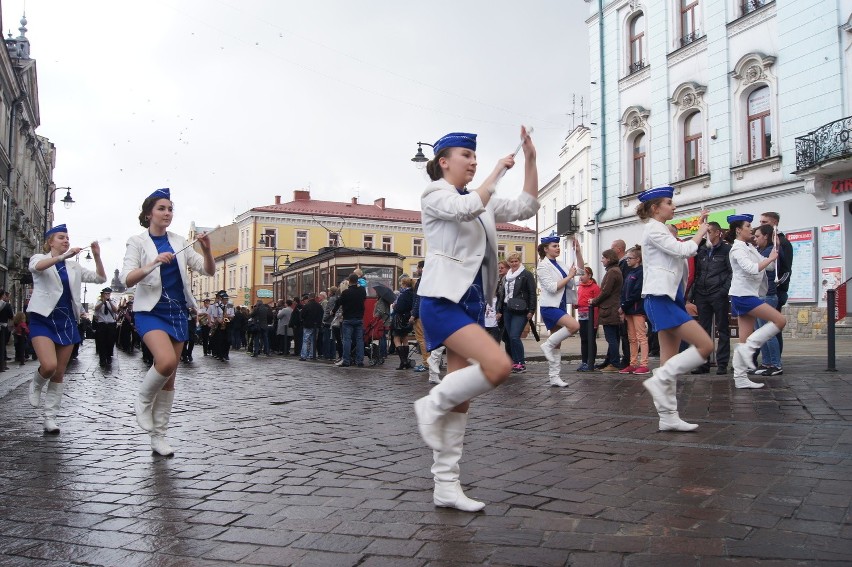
(520, 145)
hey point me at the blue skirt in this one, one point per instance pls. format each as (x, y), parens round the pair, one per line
(60, 327)
(663, 313)
(165, 318)
(441, 317)
(551, 316)
(742, 305)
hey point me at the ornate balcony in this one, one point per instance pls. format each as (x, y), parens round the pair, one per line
(827, 143)
(750, 6)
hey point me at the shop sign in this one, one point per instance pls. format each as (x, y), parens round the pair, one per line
(841, 186)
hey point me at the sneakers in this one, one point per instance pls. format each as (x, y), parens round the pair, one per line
(627, 370)
(773, 371)
(609, 368)
(583, 368)
(420, 368)
(641, 370)
(519, 368)
(759, 371)
(341, 363)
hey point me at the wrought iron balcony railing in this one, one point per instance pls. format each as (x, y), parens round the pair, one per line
(832, 141)
(636, 67)
(750, 6)
(689, 38)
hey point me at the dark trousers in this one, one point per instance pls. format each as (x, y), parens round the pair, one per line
(205, 339)
(716, 307)
(221, 343)
(297, 340)
(782, 301)
(625, 344)
(612, 339)
(105, 341)
(585, 339)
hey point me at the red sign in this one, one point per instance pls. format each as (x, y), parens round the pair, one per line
(841, 186)
(840, 303)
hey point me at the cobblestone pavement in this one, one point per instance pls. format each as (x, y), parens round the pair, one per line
(283, 462)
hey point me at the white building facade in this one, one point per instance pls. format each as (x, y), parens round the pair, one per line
(710, 97)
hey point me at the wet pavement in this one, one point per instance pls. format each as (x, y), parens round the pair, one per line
(282, 462)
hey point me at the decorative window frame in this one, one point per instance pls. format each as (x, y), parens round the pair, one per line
(678, 36)
(634, 121)
(687, 99)
(636, 10)
(752, 72)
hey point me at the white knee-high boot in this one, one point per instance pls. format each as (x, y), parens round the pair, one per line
(448, 492)
(745, 352)
(434, 362)
(36, 384)
(456, 388)
(741, 379)
(663, 388)
(151, 386)
(52, 401)
(161, 412)
(552, 344)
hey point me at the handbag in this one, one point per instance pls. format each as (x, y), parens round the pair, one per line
(400, 322)
(517, 304)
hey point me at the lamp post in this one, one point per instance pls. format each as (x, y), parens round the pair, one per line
(265, 239)
(420, 158)
(66, 200)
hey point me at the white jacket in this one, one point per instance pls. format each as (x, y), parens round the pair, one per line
(458, 244)
(747, 279)
(548, 278)
(663, 260)
(141, 251)
(47, 285)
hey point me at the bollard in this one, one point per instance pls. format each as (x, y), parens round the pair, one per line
(831, 307)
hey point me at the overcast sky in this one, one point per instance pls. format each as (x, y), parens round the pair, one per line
(231, 102)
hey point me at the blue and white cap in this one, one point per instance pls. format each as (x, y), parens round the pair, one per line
(455, 140)
(55, 229)
(735, 218)
(665, 192)
(163, 193)
(550, 239)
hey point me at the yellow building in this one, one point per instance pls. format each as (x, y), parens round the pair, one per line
(269, 238)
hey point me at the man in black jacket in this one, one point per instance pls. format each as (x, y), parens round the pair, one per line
(709, 293)
(312, 314)
(352, 303)
(785, 266)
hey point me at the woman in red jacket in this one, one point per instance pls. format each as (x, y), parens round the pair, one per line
(588, 289)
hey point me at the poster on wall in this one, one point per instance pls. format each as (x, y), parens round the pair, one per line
(804, 276)
(831, 278)
(830, 247)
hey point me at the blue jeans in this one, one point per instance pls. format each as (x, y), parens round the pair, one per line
(309, 339)
(770, 352)
(612, 340)
(261, 337)
(514, 324)
(353, 329)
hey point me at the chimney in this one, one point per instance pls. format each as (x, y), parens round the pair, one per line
(301, 195)
(380, 203)
(354, 200)
(277, 199)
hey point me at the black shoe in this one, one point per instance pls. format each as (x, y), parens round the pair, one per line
(701, 370)
(360, 365)
(721, 370)
(773, 371)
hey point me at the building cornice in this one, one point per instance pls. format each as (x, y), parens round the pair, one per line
(687, 51)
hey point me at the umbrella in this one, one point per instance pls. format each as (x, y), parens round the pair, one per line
(385, 293)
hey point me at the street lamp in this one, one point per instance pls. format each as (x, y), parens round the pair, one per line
(66, 200)
(265, 239)
(420, 157)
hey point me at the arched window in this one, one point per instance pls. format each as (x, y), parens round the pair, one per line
(692, 134)
(759, 125)
(639, 154)
(637, 42)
